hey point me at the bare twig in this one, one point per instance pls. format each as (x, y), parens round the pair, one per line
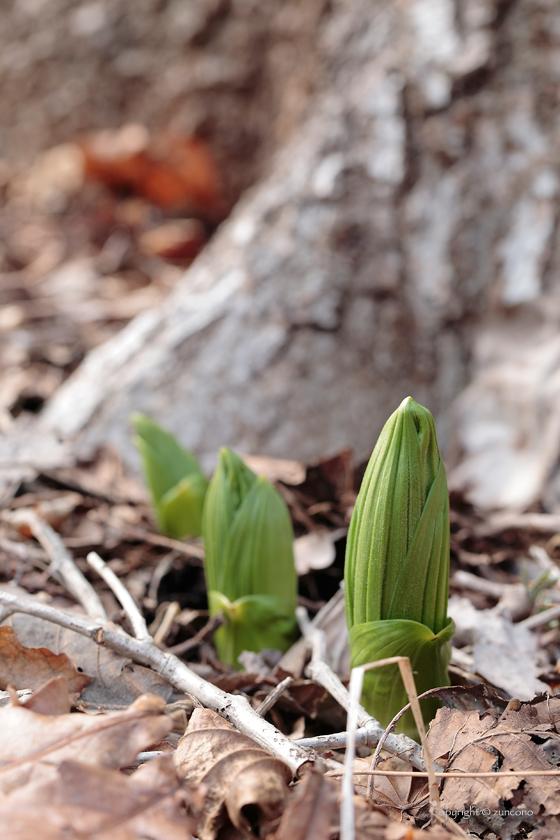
(347, 803)
(234, 708)
(208, 630)
(541, 618)
(171, 612)
(450, 774)
(478, 584)
(62, 566)
(273, 696)
(370, 730)
(407, 677)
(122, 594)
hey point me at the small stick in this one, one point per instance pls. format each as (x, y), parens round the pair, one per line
(451, 774)
(171, 613)
(62, 565)
(208, 630)
(273, 696)
(541, 618)
(234, 708)
(370, 730)
(347, 804)
(122, 594)
(410, 687)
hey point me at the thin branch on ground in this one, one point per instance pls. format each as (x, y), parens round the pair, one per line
(369, 729)
(236, 709)
(122, 595)
(208, 630)
(171, 612)
(273, 696)
(62, 566)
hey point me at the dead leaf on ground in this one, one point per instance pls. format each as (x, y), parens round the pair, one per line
(402, 798)
(313, 813)
(504, 653)
(92, 801)
(169, 171)
(372, 824)
(30, 667)
(115, 683)
(245, 783)
(474, 742)
(50, 699)
(32, 745)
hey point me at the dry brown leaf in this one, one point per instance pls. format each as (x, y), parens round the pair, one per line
(245, 783)
(116, 681)
(313, 812)
(32, 745)
(27, 667)
(169, 171)
(481, 743)
(400, 797)
(372, 824)
(95, 802)
(51, 699)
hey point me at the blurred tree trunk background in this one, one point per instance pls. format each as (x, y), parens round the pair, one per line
(392, 169)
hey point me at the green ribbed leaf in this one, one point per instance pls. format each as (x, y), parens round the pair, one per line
(179, 511)
(174, 478)
(397, 556)
(429, 653)
(249, 560)
(255, 622)
(230, 484)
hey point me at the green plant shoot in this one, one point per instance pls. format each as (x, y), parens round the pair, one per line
(397, 565)
(249, 565)
(174, 478)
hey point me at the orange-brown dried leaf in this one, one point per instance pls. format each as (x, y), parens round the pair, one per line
(95, 802)
(117, 681)
(51, 699)
(246, 786)
(25, 667)
(32, 745)
(169, 171)
(313, 813)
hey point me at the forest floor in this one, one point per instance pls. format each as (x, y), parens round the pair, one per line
(88, 243)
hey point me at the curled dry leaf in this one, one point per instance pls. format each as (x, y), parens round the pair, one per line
(402, 798)
(26, 667)
(473, 741)
(33, 745)
(313, 812)
(92, 801)
(244, 783)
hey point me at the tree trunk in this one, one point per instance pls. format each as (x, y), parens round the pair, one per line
(402, 204)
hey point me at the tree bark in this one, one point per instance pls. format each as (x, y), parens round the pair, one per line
(410, 203)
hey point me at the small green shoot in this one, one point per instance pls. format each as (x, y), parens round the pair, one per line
(173, 475)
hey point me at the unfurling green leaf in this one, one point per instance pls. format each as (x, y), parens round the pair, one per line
(173, 475)
(397, 564)
(249, 564)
